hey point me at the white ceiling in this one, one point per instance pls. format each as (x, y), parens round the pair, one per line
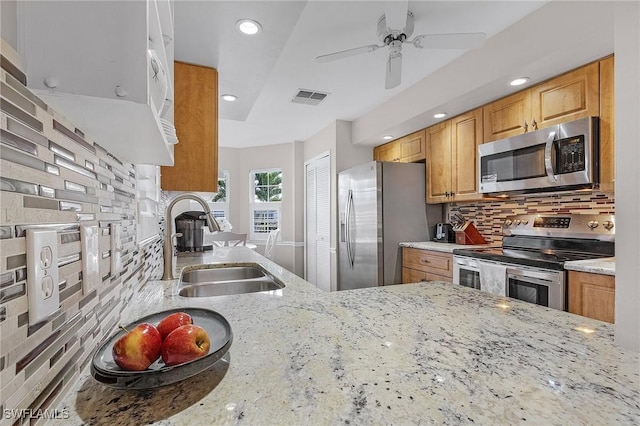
(266, 71)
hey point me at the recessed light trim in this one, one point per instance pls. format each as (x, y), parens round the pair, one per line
(248, 26)
(440, 115)
(519, 81)
(229, 97)
(387, 137)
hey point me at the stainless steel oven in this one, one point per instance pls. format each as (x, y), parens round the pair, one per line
(535, 285)
(529, 265)
(553, 158)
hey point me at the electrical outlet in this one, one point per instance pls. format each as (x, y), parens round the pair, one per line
(90, 262)
(116, 248)
(43, 293)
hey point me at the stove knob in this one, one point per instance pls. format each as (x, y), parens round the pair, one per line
(593, 224)
(608, 225)
(517, 222)
(525, 221)
(508, 222)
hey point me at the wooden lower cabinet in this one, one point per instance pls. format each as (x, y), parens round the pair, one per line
(426, 265)
(592, 295)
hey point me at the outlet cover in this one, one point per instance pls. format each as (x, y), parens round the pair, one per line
(90, 261)
(43, 292)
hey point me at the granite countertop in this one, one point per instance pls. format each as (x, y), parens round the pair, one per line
(437, 246)
(428, 353)
(606, 266)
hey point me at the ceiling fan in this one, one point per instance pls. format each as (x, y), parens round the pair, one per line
(394, 38)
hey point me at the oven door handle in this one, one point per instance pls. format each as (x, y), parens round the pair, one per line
(547, 157)
(525, 276)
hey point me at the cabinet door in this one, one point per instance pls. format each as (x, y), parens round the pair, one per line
(387, 152)
(508, 116)
(196, 121)
(412, 276)
(438, 141)
(607, 126)
(568, 97)
(466, 135)
(412, 147)
(592, 295)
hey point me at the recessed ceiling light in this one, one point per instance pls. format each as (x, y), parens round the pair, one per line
(387, 137)
(248, 26)
(440, 115)
(519, 81)
(228, 97)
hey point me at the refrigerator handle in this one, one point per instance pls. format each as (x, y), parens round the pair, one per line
(348, 227)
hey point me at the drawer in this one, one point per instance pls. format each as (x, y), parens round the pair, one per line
(414, 276)
(435, 262)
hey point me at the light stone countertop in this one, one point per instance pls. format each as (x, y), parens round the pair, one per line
(606, 266)
(436, 246)
(427, 353)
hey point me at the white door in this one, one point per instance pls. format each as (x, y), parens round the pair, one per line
(318, 222)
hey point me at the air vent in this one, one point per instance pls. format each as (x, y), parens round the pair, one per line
(308, 97)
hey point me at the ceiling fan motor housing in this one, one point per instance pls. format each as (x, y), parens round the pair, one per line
(388, 35)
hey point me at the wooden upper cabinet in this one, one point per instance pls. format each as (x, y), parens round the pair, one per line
(592, 295)
(466, 135)
(565, 98)
(412, 147)
(387, 152)
(407, 149)
(452, 152)
(438, 167)
(507, 117)
(196, 122)
(607, 126)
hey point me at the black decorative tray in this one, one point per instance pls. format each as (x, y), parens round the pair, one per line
(106, 371)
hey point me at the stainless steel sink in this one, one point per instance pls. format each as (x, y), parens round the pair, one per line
(239, 279)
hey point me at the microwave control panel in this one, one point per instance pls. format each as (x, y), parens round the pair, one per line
(571, 155)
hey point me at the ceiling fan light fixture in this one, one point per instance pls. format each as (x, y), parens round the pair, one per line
(519, 81)
(248, 26)
(440, 115)
(229, 97)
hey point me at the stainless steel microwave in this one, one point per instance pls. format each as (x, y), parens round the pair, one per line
(554, 158)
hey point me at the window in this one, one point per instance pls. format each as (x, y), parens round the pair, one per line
(265, 199)
(219, 201)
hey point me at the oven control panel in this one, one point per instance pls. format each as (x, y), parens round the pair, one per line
(598, 227)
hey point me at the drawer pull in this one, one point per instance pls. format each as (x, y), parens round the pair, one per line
(424, 261)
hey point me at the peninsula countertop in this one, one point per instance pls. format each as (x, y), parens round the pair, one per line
(429, 353)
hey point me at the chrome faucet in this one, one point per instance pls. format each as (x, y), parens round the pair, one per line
(169, 234)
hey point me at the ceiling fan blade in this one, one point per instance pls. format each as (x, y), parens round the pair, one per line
(394, 71)
(346, 53)
(395, 13)
(449, 41)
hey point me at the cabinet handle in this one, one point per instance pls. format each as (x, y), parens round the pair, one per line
(534, 125)
(424, 261)
(453, 193)
(446, 194)
(525, 126)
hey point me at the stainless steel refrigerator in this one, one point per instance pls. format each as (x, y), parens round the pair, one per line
(380, 204)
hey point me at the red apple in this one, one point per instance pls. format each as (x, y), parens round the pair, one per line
(173, 321)
(138, 348)
(185, 343)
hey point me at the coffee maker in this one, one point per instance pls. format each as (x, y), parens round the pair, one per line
(444, 233)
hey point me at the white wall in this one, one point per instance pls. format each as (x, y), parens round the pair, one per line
(9, 22)
(627, 104)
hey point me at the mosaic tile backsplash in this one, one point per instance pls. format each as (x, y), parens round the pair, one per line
(488, 216)
(52, 174)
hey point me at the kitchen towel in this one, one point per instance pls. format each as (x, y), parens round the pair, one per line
(493, 278)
